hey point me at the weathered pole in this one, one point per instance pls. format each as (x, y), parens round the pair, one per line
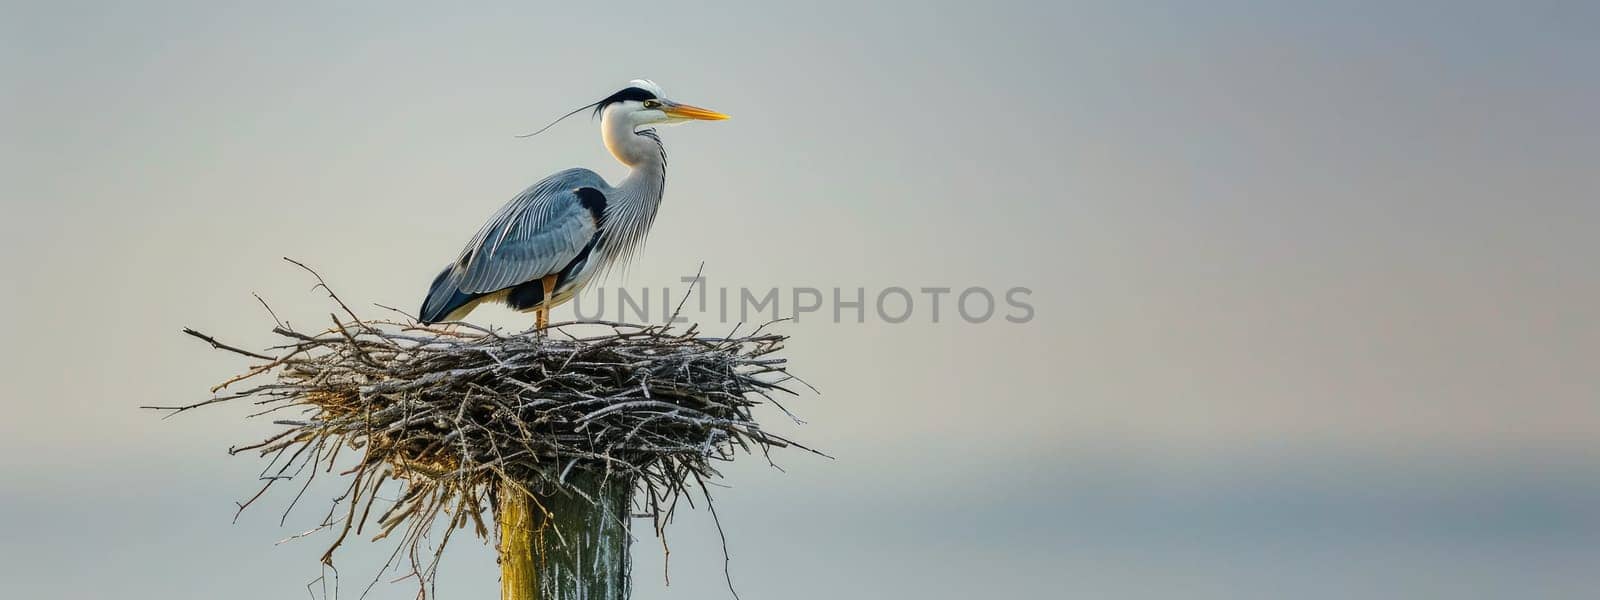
(559, 545)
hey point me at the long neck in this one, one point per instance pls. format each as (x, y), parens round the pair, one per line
(647, 168)
(632, 208)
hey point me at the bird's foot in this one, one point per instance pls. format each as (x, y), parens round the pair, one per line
(541, 323)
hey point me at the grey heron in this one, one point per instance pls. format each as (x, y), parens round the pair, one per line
(544, 245)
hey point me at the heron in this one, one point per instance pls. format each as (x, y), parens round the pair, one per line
(549, 241)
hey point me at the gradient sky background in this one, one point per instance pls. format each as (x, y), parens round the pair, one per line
(1316, 283)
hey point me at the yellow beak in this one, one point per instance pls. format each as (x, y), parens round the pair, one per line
(685, 111)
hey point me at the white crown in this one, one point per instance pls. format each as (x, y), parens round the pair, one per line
(647, 85)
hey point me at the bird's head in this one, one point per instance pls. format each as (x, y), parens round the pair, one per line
(643, 103)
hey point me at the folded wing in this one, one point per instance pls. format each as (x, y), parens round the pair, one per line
(537, 233)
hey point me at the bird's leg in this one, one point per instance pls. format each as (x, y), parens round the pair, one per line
(542, 314)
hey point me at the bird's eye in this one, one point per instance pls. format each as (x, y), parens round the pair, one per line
(652, 104)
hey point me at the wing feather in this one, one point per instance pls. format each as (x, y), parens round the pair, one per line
(537, 233)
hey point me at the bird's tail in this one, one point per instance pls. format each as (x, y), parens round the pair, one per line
(444, 297)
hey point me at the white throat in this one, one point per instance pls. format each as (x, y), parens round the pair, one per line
(619, 131)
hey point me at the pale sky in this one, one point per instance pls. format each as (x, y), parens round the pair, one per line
(1315, 284)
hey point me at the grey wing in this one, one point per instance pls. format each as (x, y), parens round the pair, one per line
(537, 233)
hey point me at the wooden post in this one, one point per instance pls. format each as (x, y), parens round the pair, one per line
(518, 575)
(579, 551)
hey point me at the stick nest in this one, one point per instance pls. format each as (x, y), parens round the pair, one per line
(448, 413)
